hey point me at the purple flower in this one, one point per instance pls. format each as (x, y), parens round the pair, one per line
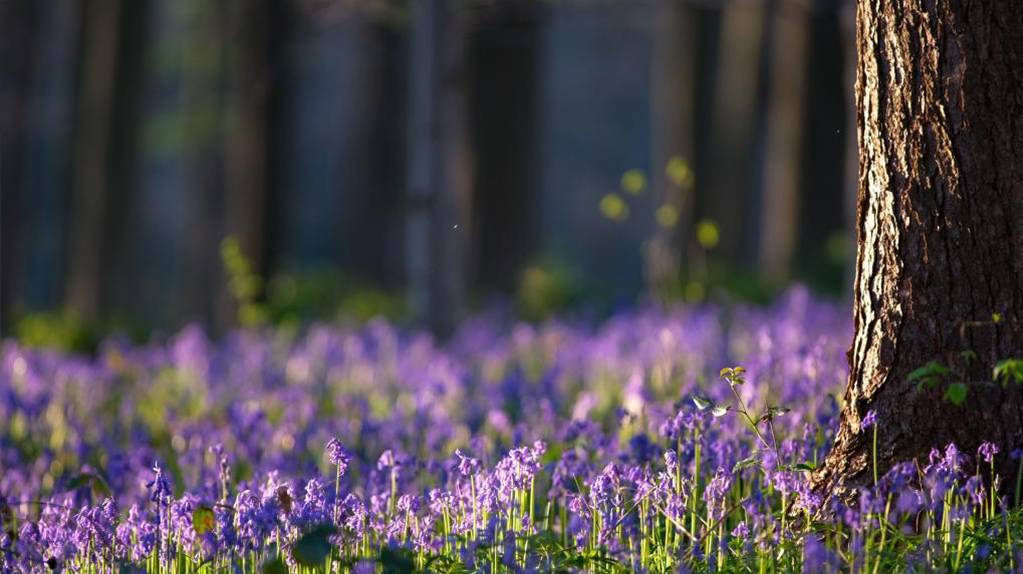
(338, 455)
(987, 451)
(741, 531)
(975, 490)
(869, 420)
(467, 465)
(387, 460)
(715, 493)
(159, 487)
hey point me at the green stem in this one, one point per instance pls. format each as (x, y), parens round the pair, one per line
(874, 454)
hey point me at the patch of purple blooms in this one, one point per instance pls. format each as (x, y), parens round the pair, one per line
(489, 451)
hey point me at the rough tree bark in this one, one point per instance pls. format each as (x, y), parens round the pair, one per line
(940, 231)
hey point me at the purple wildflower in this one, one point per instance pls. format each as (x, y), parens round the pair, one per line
(869, 420)
(987, 451)
(338, 455)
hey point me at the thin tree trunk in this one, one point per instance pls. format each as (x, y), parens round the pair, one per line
(503, 115)
(735, 98)
(203, 61)
(19, 22)
(440, 174)
(940, 232)
(386, 148)
(673, 100)
(782, 143)
(249, 171)
(119, 289)
(847, 21)
(92, 146)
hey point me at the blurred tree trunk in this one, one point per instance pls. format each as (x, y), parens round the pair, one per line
(734, 121)
(940, 233)
(203, 61)
(505, 50)
(387, 148)
(673, 96)
(105, 143)
(440, 168)
(18, 29)
(118, 245)
(256, 29)
(781, 141)
(847, 20)
(92, 164)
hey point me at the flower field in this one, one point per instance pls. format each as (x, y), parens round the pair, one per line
(631, 445)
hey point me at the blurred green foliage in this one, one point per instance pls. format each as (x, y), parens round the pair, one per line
(295, 298)
(547, 286)
(67, 331)
(62, 330)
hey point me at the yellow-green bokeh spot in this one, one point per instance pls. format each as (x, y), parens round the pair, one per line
(613, 208)
(707, 233)
(679, 172)
(667, 216)
(634, 181)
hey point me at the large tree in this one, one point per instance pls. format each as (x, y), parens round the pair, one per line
(939, 97)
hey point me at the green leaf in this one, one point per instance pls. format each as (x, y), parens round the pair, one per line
(8, 521)
(746, 463)
(773, 412)
(805, 467)
(203, 520)
(273, 566)
(929, 375)
(720, 411)
(312, 548)
(702, 402)
(931, 369)
(956, 393)
(733, 375)
(95, 482)
(1009, 369)
(397, 561)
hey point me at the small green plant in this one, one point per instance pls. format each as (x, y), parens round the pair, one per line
(294, 298)
(243, 283)
(929, 375)
(1009, 370)
(547, 286)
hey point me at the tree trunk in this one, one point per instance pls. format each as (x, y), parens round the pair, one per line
(940, 232)
(503, 109)
(440, 168)
(256, 28)
(92, 147)
(735, 101)
(19, 23)
(847, 20)
(782, 141)
(203, 64)
(119, 289)
(672, 105)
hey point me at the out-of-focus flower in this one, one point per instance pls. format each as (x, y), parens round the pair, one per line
(869, 420)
